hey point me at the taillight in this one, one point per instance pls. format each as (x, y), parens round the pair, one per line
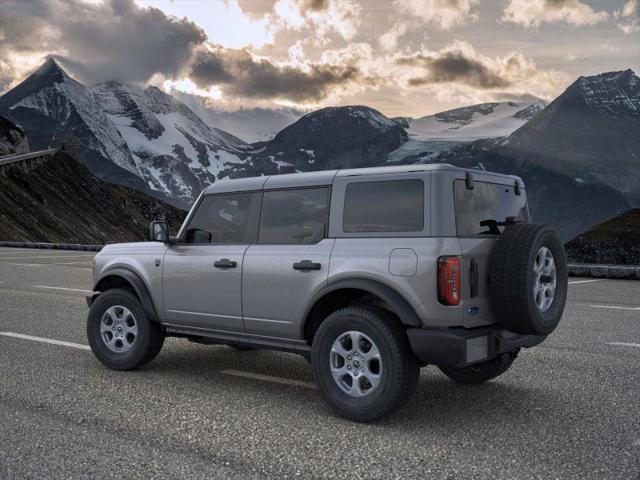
(449, 280)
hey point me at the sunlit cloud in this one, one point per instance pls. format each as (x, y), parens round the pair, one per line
(533, 13)
(628, 17)
(445, 14)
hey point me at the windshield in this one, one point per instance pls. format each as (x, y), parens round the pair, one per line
(487, 203)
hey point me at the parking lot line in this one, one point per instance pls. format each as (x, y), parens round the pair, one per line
(269, 378)
(624, 344)
(63, 288)
(43, 265)
(30, 257)
(45, 340)
(614, 307)
(576, 282)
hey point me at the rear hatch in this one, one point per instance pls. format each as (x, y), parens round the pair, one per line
(481, 210)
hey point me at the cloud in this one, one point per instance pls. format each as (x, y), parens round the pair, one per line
(533, 13)
(322, 17)
(112, 40)
(628, 25)
(239, 73)
(389, 39)
(443, 13)
(459, 71)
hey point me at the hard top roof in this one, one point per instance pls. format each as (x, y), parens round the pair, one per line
(325, 177)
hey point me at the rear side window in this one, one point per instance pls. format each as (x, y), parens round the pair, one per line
(486, 202)
(228, 218)
(386, 206)
(297, 216)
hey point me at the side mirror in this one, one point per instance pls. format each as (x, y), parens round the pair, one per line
(159, 231)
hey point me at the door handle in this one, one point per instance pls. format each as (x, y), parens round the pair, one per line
(225, 263)
(473, 279)
(306, 265)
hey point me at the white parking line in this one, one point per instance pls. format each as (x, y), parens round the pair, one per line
(46, 340)
(44, 265)
(268, 378)
(585, 281)
(63, 288)
(614, 307)
(624, 344)
(29, 257)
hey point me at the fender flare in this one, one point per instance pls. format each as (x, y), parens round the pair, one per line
(398, 304)
(138, 285)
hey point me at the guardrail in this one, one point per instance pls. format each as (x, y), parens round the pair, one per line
(9, 160)
(52, 246)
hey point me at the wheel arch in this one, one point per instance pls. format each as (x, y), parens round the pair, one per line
(129, 280)
(338, 294)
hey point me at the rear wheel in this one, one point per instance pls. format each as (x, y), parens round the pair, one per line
(119, 332)
(363, 364)
(481, 372)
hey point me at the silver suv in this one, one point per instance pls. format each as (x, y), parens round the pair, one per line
(368, 273)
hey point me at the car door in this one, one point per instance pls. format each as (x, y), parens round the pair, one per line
(202, 273)
(289, 263)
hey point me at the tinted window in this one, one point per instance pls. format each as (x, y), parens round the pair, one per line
(487, 201)
(390, 206)
(224, 219)
(294, 216)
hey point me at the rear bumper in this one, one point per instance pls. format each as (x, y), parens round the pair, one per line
(460, 347)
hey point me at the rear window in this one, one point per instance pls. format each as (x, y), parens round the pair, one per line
(486, 202)
(297, 216)
(385, 206)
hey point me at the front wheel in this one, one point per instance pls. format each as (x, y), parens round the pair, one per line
(481, 372)
(363, 364)
(119, 332)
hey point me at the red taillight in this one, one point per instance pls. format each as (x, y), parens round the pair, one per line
(449, 280)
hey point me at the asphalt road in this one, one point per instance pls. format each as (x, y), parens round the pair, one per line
(569, 408)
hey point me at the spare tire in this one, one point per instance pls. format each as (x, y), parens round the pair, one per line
(528, 279)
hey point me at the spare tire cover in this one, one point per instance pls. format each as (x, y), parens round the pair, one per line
(528, 278)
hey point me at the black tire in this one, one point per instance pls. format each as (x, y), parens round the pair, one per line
(398, 378)
(512, 279)
(481, 372)
(147, 344)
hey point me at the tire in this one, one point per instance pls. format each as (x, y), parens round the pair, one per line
(525, 300)
(481, 372)
(135, 350)
(397, 372)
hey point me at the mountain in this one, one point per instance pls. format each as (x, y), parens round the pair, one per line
(591, 133)
(12, 139)
(466, 124)
(174, 151)
(580, 156)
(250, 124)
(140, 138)
(329, 138)
(614, 242)
(61, 201)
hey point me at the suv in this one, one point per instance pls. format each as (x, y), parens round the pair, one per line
(369, 273)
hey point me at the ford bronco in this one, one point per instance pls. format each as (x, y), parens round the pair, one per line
(368, 273)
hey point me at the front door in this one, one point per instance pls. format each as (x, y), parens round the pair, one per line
(202, 273)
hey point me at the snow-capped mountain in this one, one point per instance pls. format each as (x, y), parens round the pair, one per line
(579, 157)
(141, 138)
(466, 124)
(332, 137)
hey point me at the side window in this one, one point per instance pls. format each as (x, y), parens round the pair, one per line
(227, 218)
(384, 206)
(296, 216)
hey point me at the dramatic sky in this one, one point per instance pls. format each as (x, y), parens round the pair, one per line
(404, 57)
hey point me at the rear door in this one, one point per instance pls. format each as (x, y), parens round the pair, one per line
(289, 263)
(202, 274)
(488, 201)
